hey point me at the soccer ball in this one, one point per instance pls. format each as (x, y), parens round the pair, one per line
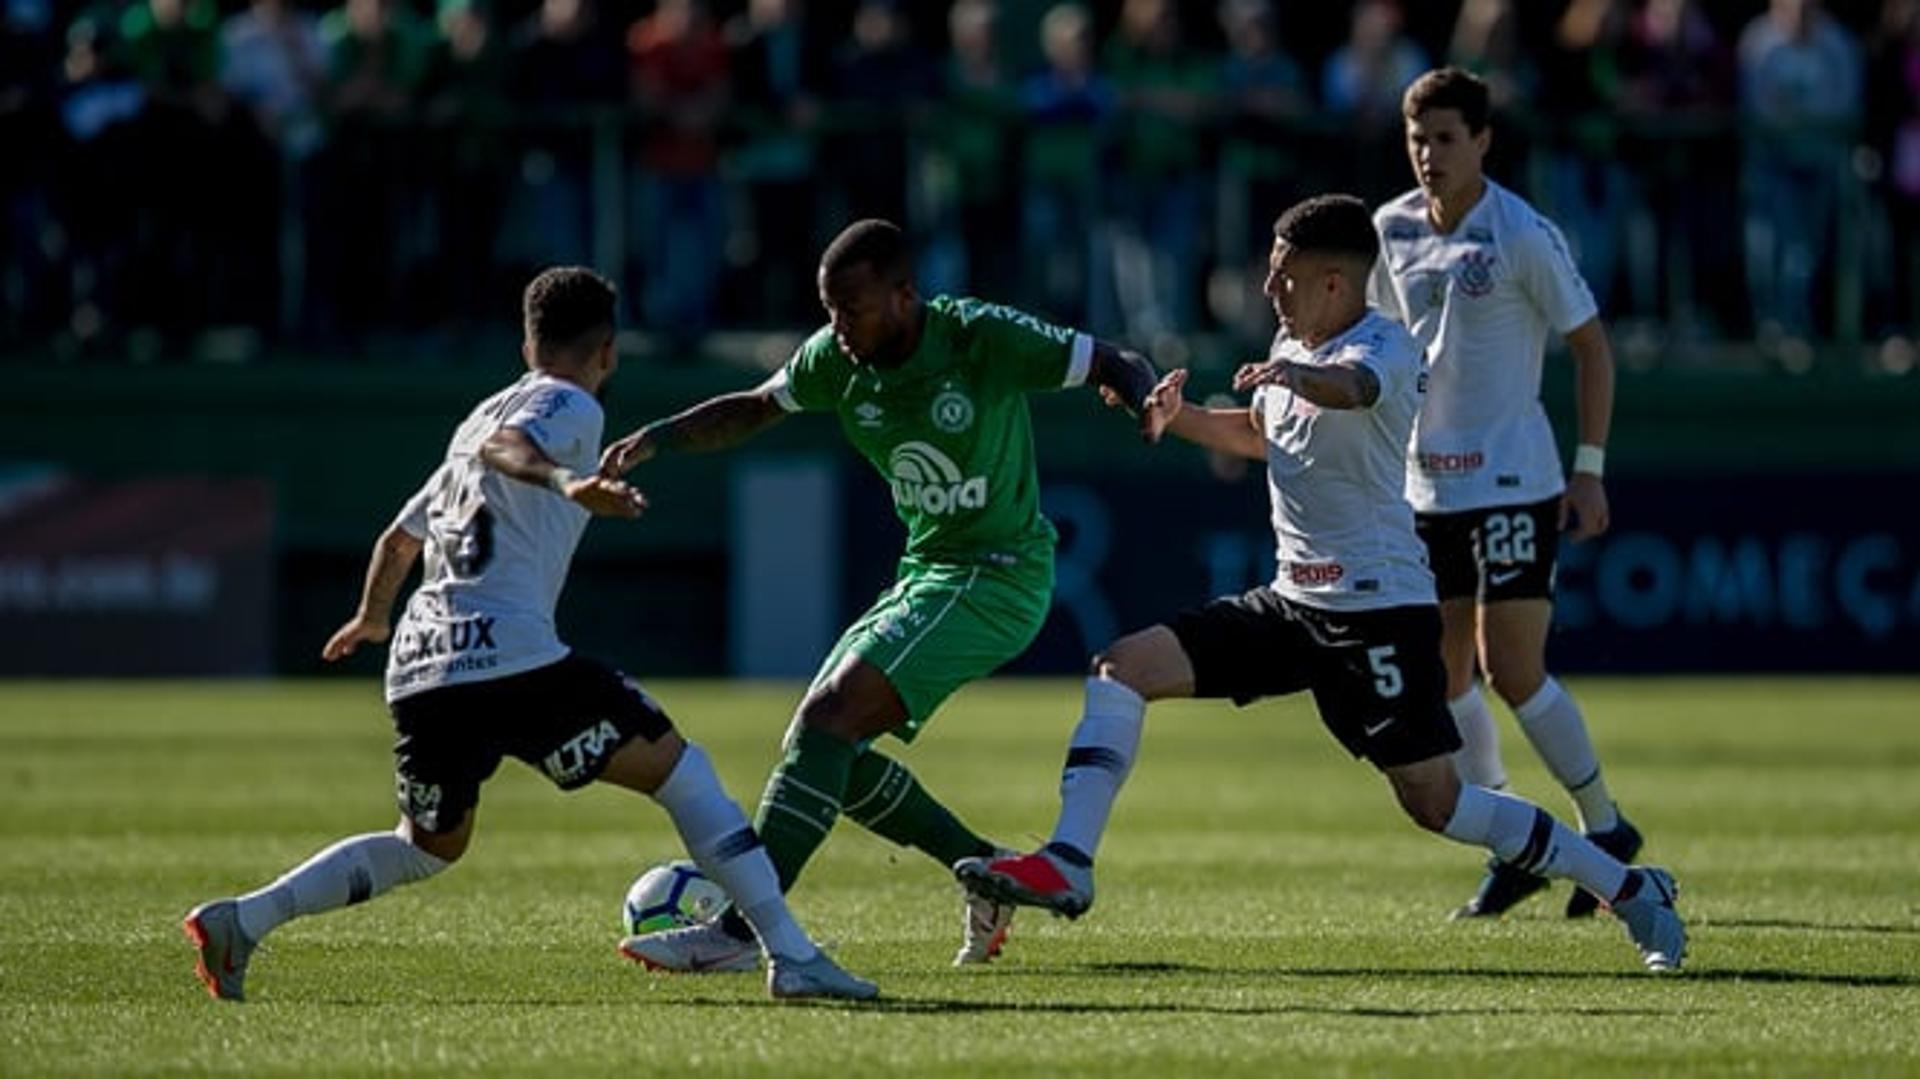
(669, 896)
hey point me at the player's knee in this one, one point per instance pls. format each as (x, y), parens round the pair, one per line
(447, 846)
(1126, 661)
(1429, 808)
(1515, 678)
(832, 713)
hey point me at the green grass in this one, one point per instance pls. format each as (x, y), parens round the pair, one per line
(1264, 909)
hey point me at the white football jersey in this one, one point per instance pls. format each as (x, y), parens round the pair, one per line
(1481, 300)
(1343, 533)
(497, 549)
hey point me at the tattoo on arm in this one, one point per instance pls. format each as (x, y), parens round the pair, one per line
(1338, 386)
(1127, 373)
(715, 424)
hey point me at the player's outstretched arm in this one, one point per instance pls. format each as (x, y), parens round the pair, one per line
(718, 423)
(510, 452)
(1338, 386)
(393, 556)
(1226, 430)
(1124, 378)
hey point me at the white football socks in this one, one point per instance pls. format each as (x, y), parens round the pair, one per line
(727, 849)
(1478, 758)
(1099, 756)
(351, 871)
(1552, 722)
(1519, 832)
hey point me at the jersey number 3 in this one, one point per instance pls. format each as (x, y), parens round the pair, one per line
(464, 525)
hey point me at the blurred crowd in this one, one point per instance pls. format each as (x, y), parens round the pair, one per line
(384, 169)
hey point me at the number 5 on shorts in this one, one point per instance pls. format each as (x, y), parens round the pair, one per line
(1386, 673)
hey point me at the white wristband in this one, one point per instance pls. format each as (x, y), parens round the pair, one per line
(1590, 459)
(558, 479)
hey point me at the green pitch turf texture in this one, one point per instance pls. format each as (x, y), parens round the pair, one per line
(1263, 908)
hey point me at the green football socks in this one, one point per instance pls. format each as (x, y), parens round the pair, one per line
(886, 798)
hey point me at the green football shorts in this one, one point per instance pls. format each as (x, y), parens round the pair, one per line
(944, 624)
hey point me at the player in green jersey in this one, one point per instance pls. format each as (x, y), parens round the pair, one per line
(932, 392)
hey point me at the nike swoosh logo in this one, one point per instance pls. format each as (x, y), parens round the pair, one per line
(1376, 728)
(1503, 578)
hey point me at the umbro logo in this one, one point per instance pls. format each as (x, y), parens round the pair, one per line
(867, 414)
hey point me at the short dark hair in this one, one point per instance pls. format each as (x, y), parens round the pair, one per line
(879, 244)
(568, 307)
(1331, 225)
(1450, 88)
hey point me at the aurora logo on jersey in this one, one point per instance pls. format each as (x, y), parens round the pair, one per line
(925, 479)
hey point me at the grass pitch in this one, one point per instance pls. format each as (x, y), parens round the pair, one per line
(1264, 909)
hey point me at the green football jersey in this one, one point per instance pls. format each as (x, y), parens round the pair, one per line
(949, 429)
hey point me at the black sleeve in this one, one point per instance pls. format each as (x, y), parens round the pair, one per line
(1127, 373)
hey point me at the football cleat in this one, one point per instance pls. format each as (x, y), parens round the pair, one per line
(214, 928)
(698, 949)
(1030, 880)
(1623, 842)
(1501, 889)
(984, 924)
(1652, 922)
(819, 978)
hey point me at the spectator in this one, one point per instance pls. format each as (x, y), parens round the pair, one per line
(1264, 94)
(369, 178)
(1679, 83)
(680, 90)
(274, 62)
(464, 103)
(184, 234)
(778, 75)
(562, 67)
(273, 65)
(881, 78)
(1365, 77)
(28, 60)
(1893, 121)
(1587, 189)
(1158, 198)
(98, 101)
(1800, 96)
(1361, 86)
(966, 188)
(1069, 108)
(1486, 41)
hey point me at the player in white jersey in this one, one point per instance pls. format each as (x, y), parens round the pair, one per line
(476, 672)
(1482, 280)
(1350, 614)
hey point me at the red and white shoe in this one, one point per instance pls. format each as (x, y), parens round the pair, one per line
(1030, 880)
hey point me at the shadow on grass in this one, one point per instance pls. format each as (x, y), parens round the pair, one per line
(1809, 927)
(1791, 977)
(944, 1006)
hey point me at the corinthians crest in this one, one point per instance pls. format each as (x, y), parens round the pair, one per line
(952, 412)
(1475, 272)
